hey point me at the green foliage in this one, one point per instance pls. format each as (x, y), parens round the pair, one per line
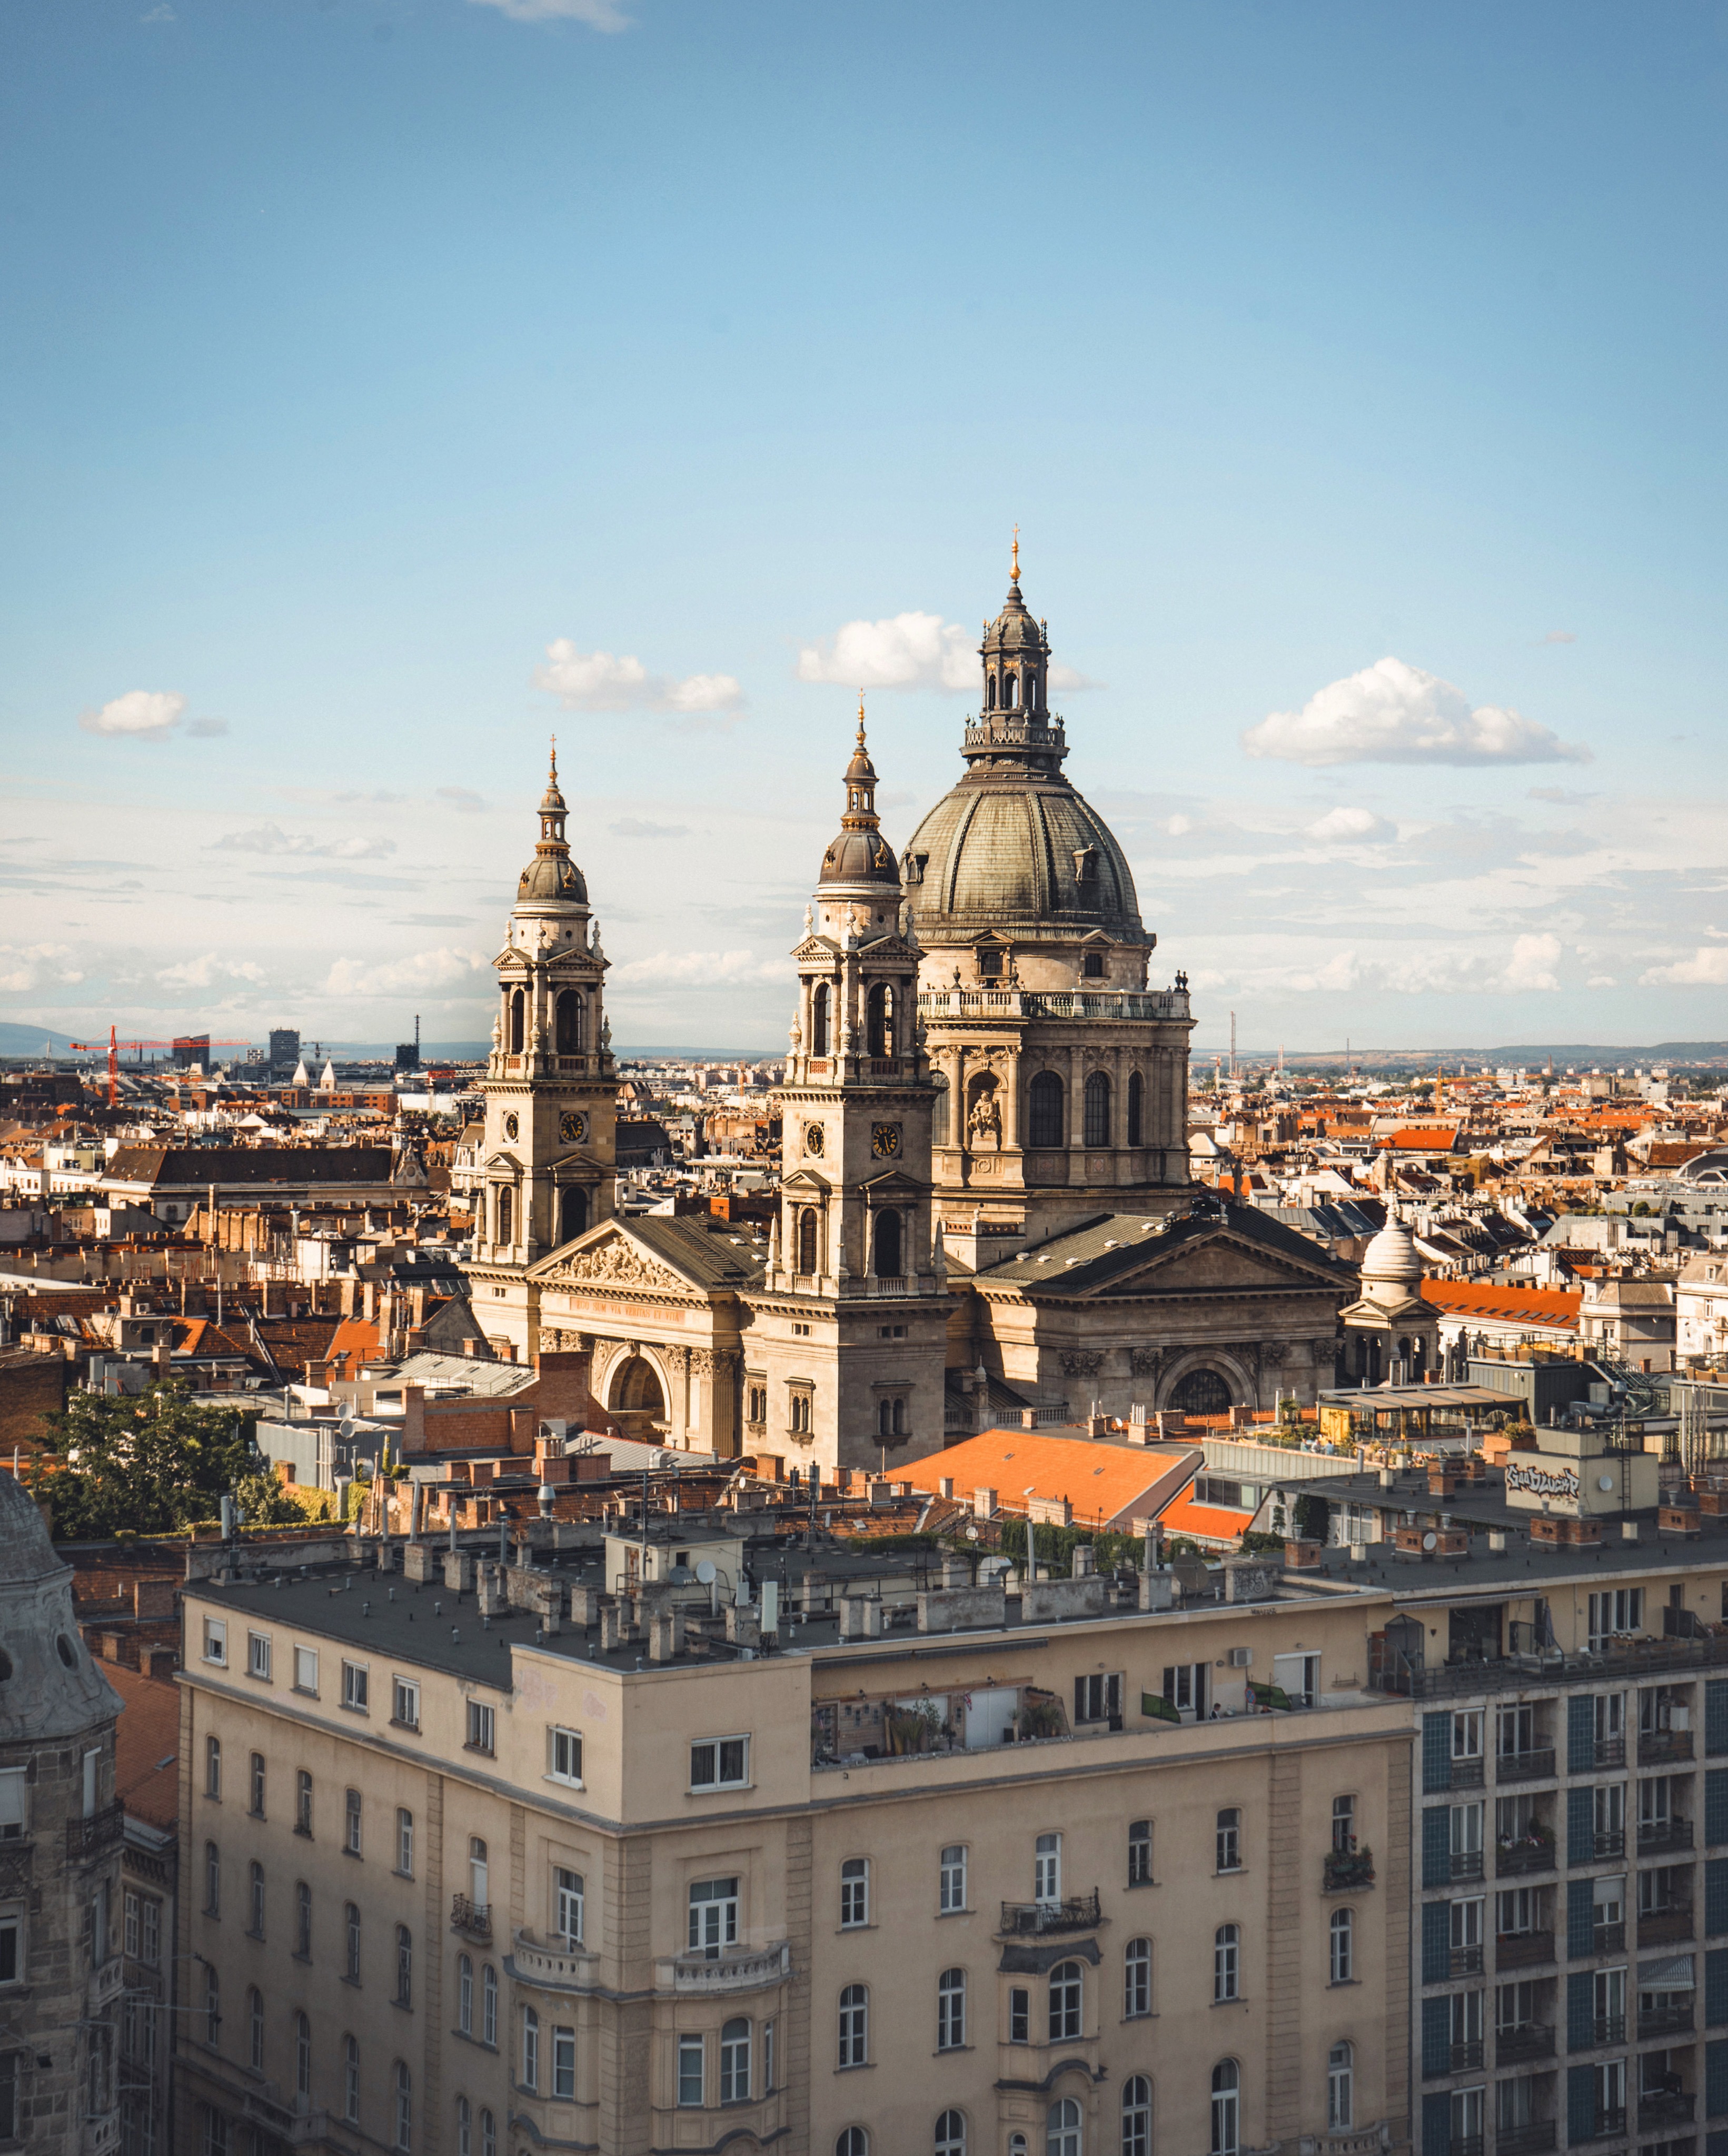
(1312, 1516)
(152, 1463)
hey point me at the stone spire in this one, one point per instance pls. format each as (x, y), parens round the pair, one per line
(860, 855)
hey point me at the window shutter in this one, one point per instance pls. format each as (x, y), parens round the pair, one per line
(1436, 2036)
(1580, 1825)
(1580, 2010)
(1716, 1805)
(1580, 1734)
(1580, 2103)
(1436, 2124)
(1716, 2079)
(1715, 1716)
(1436, 1942)
(1715, 1894)
(1580, 1917)
(1715, 1987)
(1437, 1754)
(1437, 1845)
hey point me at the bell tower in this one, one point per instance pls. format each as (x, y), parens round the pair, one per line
(548, 1155)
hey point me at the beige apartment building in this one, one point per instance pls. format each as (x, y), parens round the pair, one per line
(700, 1839)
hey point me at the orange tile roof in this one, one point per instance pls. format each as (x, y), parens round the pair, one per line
(356, 1338)
(1421, 1141)
(1553, 1308)
(146, 1745)
(1100, 1480)
(1216, 1523)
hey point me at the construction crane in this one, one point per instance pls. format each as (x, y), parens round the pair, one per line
(115, 1046)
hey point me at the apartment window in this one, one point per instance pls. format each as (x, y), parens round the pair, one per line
(951, 2010)
(1047, 1869)
(1344, 1826)
(212, 1766)
(854, 2031)
(489, 2005)
(530, 2050)
(713, 1916)
(1467, 1735)
(568, 1905)
(951, 1880)
(1140, 1853)
(254, 2029)
(1062, 2128)
(404, 2106)
(1099, 1698)
(305, 1669)
(489, 2135)
(404, 1966)
(356, 1686)
(1340, 2087)
(564, 2064)
(257, 1788)
(302, 1920)
(1138, 1979)
(1228, 1839)
(153, 1934)
(855, 2142)
(478, 1873)
(1065, 2000)
(567, 1756)
(1615, 1610)
(855, 1892)
(257, 1656)
(1019, 2016)
(131, 1921)
(480, 1726)
(465, 2127)
(215, 2142)
(351, 1822)
(1136, 2116)
(302, 1803)
(213, 2006)
(735, 2062)
(11, 1803)
(350, 1927)
(405, 1842)
(1226, 2108)
(691, 2060)
(1343, 1931)
(255, 1912)
(465, 1994)
(951, 2134)
(1226, 1962)
(212, 1880)
(216, 1639)
(1185, 1688)
(8, 2096)
(405, 1704)
(719, 1763)
(302, 2058)
(767, 2058)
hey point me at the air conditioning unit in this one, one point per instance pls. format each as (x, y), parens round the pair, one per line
(1241, 1657)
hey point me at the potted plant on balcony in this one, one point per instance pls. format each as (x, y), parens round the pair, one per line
(1350, 1867)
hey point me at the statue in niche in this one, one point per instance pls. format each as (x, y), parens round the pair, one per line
(983, 1123)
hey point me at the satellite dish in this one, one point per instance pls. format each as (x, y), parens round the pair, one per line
(1604, 1482)
(705, 1573)
(971, 1534)
(1430, 1540)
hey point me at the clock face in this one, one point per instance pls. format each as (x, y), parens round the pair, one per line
(572, 1126)
(815, 1138)
(511, 1126)
(885, 1140)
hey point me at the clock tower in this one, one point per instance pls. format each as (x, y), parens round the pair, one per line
(548, 1155)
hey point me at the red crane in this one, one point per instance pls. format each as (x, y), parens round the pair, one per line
(114, 1047)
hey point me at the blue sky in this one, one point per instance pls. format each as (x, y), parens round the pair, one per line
(385, 382)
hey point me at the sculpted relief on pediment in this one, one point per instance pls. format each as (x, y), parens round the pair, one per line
(618, 1264)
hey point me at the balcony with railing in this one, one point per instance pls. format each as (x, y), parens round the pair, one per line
(1039, 1919)
(87, 1839)
(1464, 1864)
(1654, 1745)
(1347, 1871)
(1608, 1841)
(1464, 2058)
(1665, 2108)
(1523, 2040)
(1468, 1773)
(1530, 2139)
(1654, 1835)
(1464, 2144)
(1608, 2029)
(1604, 2123)
(1663, 1927)
(1520, 1950)
(473, 1919)
(1535, 1766)
(1608, 1752)
(1673, 2019)
(1464, 1961)
(549, 1964)
(1530, 1852)
(753, 1969)
(1390, 1670)
(1609, 1938)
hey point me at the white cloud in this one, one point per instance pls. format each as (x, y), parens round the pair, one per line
(209, 972)
(911, 651)
(461, 797)
(24, 966)
(633, 827)
(271, 839)
(145, 714)
(698, 969)
(1392, 713)
(1602, 981)
(1179, 826)
(160, 13)
(1560, 636)
(1531, 965)
(1706, 968)
(1346, 826)
(596, 681)
(598, 14)
(444, 969)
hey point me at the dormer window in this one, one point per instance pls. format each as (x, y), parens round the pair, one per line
(1092, 966)
(990, 965)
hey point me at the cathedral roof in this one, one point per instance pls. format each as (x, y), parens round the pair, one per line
(1096, 1256)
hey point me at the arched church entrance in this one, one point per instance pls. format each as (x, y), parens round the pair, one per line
(637, 1400)
(1200, 1391)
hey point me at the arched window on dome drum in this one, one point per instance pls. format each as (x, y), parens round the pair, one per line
(1044, 1101)
(819, 1019)
(807, 1239)
(1097, 1124)
(1010, 691)
(570, 1023)
(989, 692)
(880, 1019)
(518, 1020)
(888, 1246)
(506, 1215)
(1136, 1097)
(573, 1212)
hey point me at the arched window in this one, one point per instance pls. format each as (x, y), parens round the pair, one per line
(1062, 2128)
(518, 1020)
(735, 2062)
(465, 1994)
(855, 2025)
(254, 2029)
(1136, 2116)
(1097, 1123)
(351, 2080)
(884, 1418)
(573, 1212)
(1032, 694)
(404, 2106)
(1343, 1929)
(939, 1114)
(530, 2049)
(212, 1880)
(950, 2014)
(1066, 1983)
(1226, 1962)
(1200, 1391)
(989, 692)
(1226, 2108)
(854, 2141)
(1137, 1103)
(819, 1018)
(255, 1880)
(489, 2135)
(404, 1966)
(879, 1019)
(489, 2005)
(951, 2134)
(1010, 691)
(350, 1921)
(506, 1215)
(1044, 1099)
(568, 1010)
(302, 2060)
(1340, 2087)
(807, 1239)
(465, 2127)
(888, 1264)
(1137, 1979)
(899, 1417)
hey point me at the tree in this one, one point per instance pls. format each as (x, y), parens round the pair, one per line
(152, 1463)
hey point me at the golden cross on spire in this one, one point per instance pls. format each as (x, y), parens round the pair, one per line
(555, 759)
(860, 719)
(1014, 573)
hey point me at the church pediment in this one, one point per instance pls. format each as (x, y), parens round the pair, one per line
(505, 1165)
(608, 1257)
(1121, 1256)
(808, 1183)
(894, 1182)
(816, 948)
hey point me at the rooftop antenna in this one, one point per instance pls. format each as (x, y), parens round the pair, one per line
(1232, 1044)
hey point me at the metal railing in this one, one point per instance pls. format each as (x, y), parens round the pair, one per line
(1609, 1938)
(1605, 2123)
(1390, 1670)
(1527, 2140)
(88, 1838)
(1653, 1835)
(1345, 1870)
(1464, 1961)
(1466, 1864)
(1524, 2040)
(1608, 1752)
(1608, 2029)
(1525, 1766)
(1519, 1950)
(473, 1917)
(1661, 1926)
(1608, 1841)
(1656, 1745)
(1524, 1856)
(1034, 1919)
(1664, 2020)
(1465, 2054)
(1661, 2107)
